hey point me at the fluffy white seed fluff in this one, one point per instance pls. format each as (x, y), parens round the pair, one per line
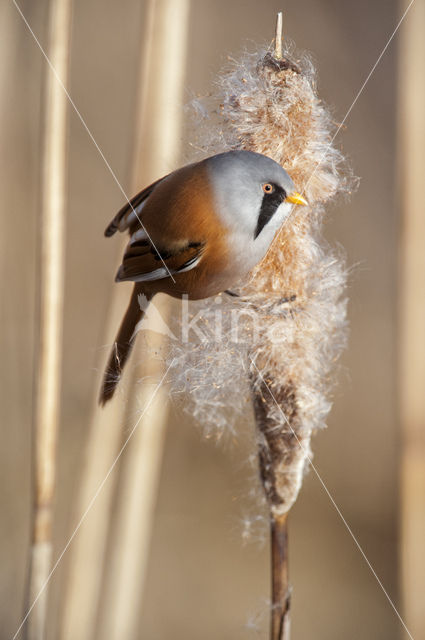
(280, 338)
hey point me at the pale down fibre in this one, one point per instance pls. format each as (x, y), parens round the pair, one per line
(292, 311)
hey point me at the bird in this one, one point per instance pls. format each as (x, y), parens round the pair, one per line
(197, 232)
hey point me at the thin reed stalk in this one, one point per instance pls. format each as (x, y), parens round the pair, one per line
(156, 152)
(89, 602)
(83, 590)
(280, 621)
(281, 594)
(411, 311)
(87, 552)
(48, 373)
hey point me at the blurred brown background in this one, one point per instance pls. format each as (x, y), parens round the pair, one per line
(202, 581)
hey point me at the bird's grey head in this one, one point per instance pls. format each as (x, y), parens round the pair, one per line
(250, 193)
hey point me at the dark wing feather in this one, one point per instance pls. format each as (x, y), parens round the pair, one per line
(142, 263)
(126, 216)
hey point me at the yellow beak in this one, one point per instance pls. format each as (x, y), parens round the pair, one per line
(296, 198)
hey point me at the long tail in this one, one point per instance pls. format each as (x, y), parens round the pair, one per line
(123, 343)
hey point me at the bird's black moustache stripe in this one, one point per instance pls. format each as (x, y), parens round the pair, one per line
(269, 206)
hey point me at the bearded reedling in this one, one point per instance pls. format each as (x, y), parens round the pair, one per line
(197, 232)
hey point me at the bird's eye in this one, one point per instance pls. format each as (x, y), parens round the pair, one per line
(268, 188)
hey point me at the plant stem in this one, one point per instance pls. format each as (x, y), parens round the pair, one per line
(47, 388)
(279, 38)
(281, 594)
(156, 151)
(411, 317)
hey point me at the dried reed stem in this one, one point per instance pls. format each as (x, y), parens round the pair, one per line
(281, 598)
(412, 316)
(87, 552)
(274, 448)
(156, 152)
(47, 393)
(83, 601)
(281, 594)
(279, 37)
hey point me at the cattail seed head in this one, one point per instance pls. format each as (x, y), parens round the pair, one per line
(283, 358)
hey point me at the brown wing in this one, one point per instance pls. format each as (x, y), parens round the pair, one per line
(129, 213)
(146, 259)
(144, 263)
